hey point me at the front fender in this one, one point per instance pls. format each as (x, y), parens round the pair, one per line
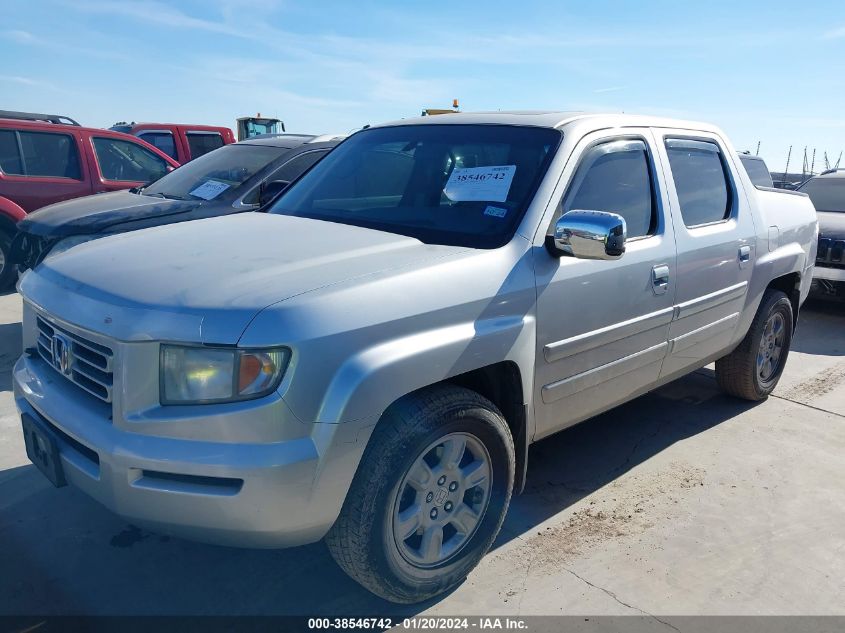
(11, 211)
(369, 381)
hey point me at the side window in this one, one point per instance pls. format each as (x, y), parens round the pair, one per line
(698, 170)
(162, 140)
(52, 155)
(615, 177)
(290, 171)
(127, 161)
(10, 156)
(203, 142)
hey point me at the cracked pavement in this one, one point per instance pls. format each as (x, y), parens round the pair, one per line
(683, 502)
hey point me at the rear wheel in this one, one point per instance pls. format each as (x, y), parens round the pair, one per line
(8, 271)
(429, 496)
(753, 369)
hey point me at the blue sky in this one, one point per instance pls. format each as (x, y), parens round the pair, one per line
(765, 71)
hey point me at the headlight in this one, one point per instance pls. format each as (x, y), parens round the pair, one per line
(195, 375)
(69, 242)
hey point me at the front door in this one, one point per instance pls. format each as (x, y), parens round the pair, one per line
(602, 326)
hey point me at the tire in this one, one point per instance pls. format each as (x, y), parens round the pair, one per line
(738, 373)
(426, 426)
(8, 272)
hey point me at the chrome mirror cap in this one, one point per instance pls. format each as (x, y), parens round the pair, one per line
(588, 235)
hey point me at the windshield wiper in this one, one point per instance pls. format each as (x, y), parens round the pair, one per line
(167, 196)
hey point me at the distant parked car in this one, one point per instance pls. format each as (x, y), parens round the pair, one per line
(182, 142)
(827, 191)
(232, 179)
(43, 162)
(757, 170)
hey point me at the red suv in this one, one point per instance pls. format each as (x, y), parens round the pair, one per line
(42, 163)
(179, 141)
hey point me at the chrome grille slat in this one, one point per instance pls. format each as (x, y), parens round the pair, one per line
(90, 363)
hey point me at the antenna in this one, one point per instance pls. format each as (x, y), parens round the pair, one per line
(813, 164)
(757, 153)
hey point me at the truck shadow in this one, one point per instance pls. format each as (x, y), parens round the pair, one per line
(819, 328)
(10, 350)
(66, 554)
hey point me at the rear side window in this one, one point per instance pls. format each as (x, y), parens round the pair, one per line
(126, 161)
(615, 177)
(49, 155)
(698, 170)
(10, 156)
(203, 142)
(290, 171)
(757, 171)
(162, 140)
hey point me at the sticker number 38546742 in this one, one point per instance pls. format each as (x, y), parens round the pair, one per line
(480, 184)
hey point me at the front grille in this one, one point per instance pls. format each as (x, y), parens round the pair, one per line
(87, 364)
(830, 253)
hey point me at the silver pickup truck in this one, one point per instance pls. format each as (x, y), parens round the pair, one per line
(368, 361)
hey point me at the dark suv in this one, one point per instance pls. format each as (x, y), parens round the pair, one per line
(827, 191)
(42, 162)
(235, 178)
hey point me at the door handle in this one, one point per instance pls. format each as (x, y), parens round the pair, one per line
(744, 255)
(660, 279)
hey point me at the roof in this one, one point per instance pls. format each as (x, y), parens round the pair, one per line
(550, 119)
(145, 124)
(54, 127)
(832, 173)
(288, 141)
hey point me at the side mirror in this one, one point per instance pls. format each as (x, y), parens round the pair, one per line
(588, 235)
(270, 190)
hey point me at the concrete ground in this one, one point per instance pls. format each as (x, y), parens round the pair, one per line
(681, 502)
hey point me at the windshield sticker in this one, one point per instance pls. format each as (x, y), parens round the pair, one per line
(209, 190)
(496, 212)
(480, 184)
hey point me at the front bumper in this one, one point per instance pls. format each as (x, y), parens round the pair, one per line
(273, 494)
(829, 274)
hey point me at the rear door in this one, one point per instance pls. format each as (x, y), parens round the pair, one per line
(602, 326)
(38, 168)
(716, 238)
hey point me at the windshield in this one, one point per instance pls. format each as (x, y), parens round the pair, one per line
(465, 185)
(218, 173)
(827, 194)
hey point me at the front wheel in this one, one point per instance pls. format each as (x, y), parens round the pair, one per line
(753, 369)
(429, 496)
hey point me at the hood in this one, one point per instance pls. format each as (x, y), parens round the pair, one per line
(204, 281)
(831, 224)
(98, 213)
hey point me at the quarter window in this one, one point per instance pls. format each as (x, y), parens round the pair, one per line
(203, 142)
(161, 140)
(698, 170)
(615, 177)
(127, 161)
